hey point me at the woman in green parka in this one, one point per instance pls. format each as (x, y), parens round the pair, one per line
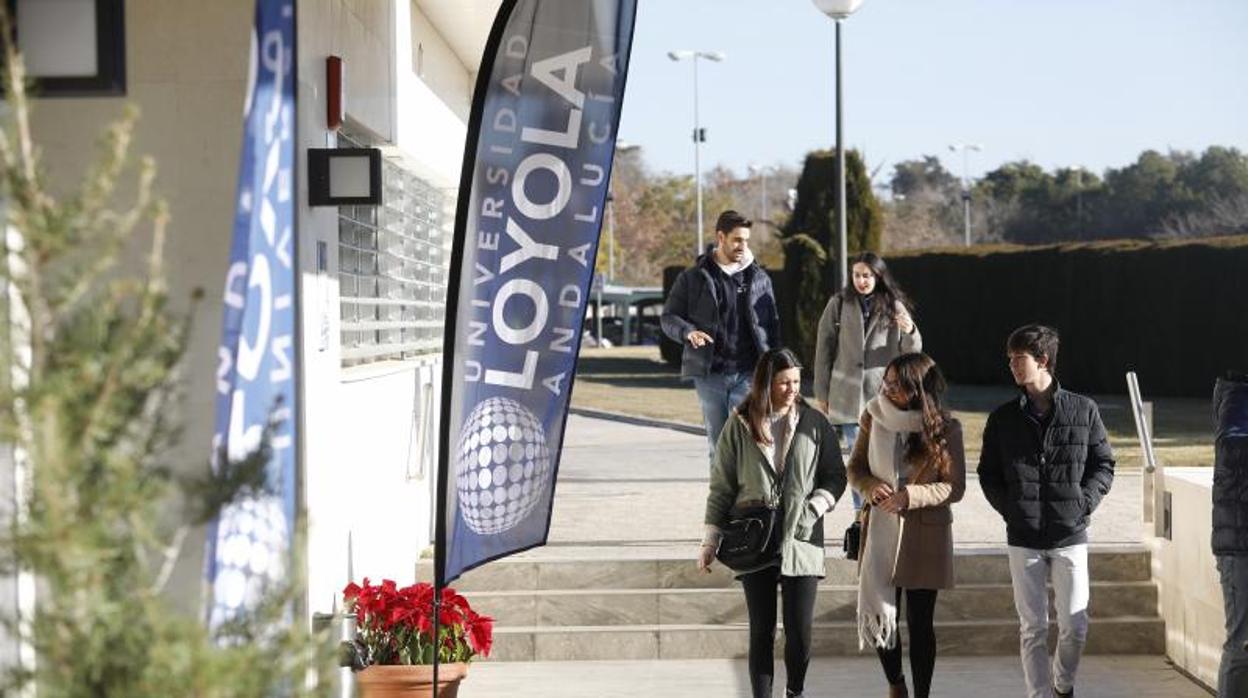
(775, 436)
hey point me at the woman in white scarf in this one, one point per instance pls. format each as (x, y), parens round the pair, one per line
(909, 464)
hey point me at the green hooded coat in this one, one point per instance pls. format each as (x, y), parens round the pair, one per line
(741, 476)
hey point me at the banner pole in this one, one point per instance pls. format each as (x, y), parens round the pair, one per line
(437, 646)
(451, 321)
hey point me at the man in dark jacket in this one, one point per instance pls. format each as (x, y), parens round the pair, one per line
(1230, 526)
(723, 310)
(1045, 466)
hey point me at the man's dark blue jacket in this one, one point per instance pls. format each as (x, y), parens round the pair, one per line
(694, 304)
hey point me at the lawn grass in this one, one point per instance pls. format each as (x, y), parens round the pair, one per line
(635, 381)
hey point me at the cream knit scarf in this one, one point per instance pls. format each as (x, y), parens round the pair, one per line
(877, 600)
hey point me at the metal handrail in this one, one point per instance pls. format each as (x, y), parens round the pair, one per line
(1141, 411)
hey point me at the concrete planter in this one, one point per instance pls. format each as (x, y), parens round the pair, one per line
(410, 681)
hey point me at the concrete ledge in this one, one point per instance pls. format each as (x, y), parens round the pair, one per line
(1123, 635)
(834, 603)
(1114, 563)
(1190, 593)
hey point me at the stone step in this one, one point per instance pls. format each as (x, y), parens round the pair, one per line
(834, 602)
(598, 571)
(1122, 635)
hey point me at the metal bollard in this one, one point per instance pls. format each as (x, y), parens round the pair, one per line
(342, 631)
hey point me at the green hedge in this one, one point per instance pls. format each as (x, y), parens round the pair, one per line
(1174, 312)
(815, 211)
(802, 297)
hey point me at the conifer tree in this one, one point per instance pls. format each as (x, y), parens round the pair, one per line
(89, 359)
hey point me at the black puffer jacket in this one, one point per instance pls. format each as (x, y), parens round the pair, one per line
(1046, 483)
(1230, 467)
(693, 304)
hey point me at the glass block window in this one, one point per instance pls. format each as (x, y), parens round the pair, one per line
(392, 268)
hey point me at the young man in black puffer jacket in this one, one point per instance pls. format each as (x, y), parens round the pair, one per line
(1045, 466)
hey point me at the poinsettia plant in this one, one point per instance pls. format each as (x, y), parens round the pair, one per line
(395, 626)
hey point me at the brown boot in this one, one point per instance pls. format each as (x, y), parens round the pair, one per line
(898, 690)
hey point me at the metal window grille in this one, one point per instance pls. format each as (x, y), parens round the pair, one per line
(392, 269)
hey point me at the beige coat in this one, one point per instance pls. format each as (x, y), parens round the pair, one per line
(925, 553)
(850, 357)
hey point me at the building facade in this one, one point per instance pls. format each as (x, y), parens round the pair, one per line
(372, 278)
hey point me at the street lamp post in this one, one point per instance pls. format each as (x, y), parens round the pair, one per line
(699, 135)
(761, 171)
(621, 148)
(965, 148)
(840, 10)
(1079, 202)
(611, 236)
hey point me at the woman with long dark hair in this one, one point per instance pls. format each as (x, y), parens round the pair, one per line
(777, 451)
(909, 465)
(863, 327)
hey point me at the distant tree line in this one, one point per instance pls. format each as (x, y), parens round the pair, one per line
(1174, 195)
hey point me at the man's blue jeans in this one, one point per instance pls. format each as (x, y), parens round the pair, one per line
(850, 434)
(1233, 673)
(719, 393)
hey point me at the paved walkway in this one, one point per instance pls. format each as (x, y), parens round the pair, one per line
(634, 487)
(627, 490)
(964, 677)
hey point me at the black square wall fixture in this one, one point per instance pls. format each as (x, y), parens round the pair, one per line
(344, 176)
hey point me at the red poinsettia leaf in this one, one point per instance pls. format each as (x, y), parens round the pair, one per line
(451, 598)
(481, 634)
(449, 617)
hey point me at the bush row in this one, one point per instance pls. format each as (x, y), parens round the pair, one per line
(1176, 313)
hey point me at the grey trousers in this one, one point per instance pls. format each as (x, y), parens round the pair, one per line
(1233, 672)
(1067, 569)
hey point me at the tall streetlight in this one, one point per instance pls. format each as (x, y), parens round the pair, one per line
(840, 10)
(762, 172)
(965, 148)
(621, 148)
(1079, 201)
(699, 134)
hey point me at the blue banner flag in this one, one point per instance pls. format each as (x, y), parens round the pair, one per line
(537, 164)
(248, 545)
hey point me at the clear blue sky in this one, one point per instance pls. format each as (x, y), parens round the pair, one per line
(1059, 82)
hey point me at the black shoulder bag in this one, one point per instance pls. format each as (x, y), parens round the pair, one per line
(852, 544)
(751, 538)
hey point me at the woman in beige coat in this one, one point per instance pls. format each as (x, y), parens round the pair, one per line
(908, 463)
(863, 327)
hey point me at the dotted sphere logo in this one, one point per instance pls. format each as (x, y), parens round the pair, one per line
(252, 540)
(503, 466)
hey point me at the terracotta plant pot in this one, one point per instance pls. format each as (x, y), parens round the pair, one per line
(401, 681)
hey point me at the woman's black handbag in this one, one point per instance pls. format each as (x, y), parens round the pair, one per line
(751, 538)
(853, 534)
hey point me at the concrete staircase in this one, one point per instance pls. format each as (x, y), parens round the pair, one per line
(570, 603)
